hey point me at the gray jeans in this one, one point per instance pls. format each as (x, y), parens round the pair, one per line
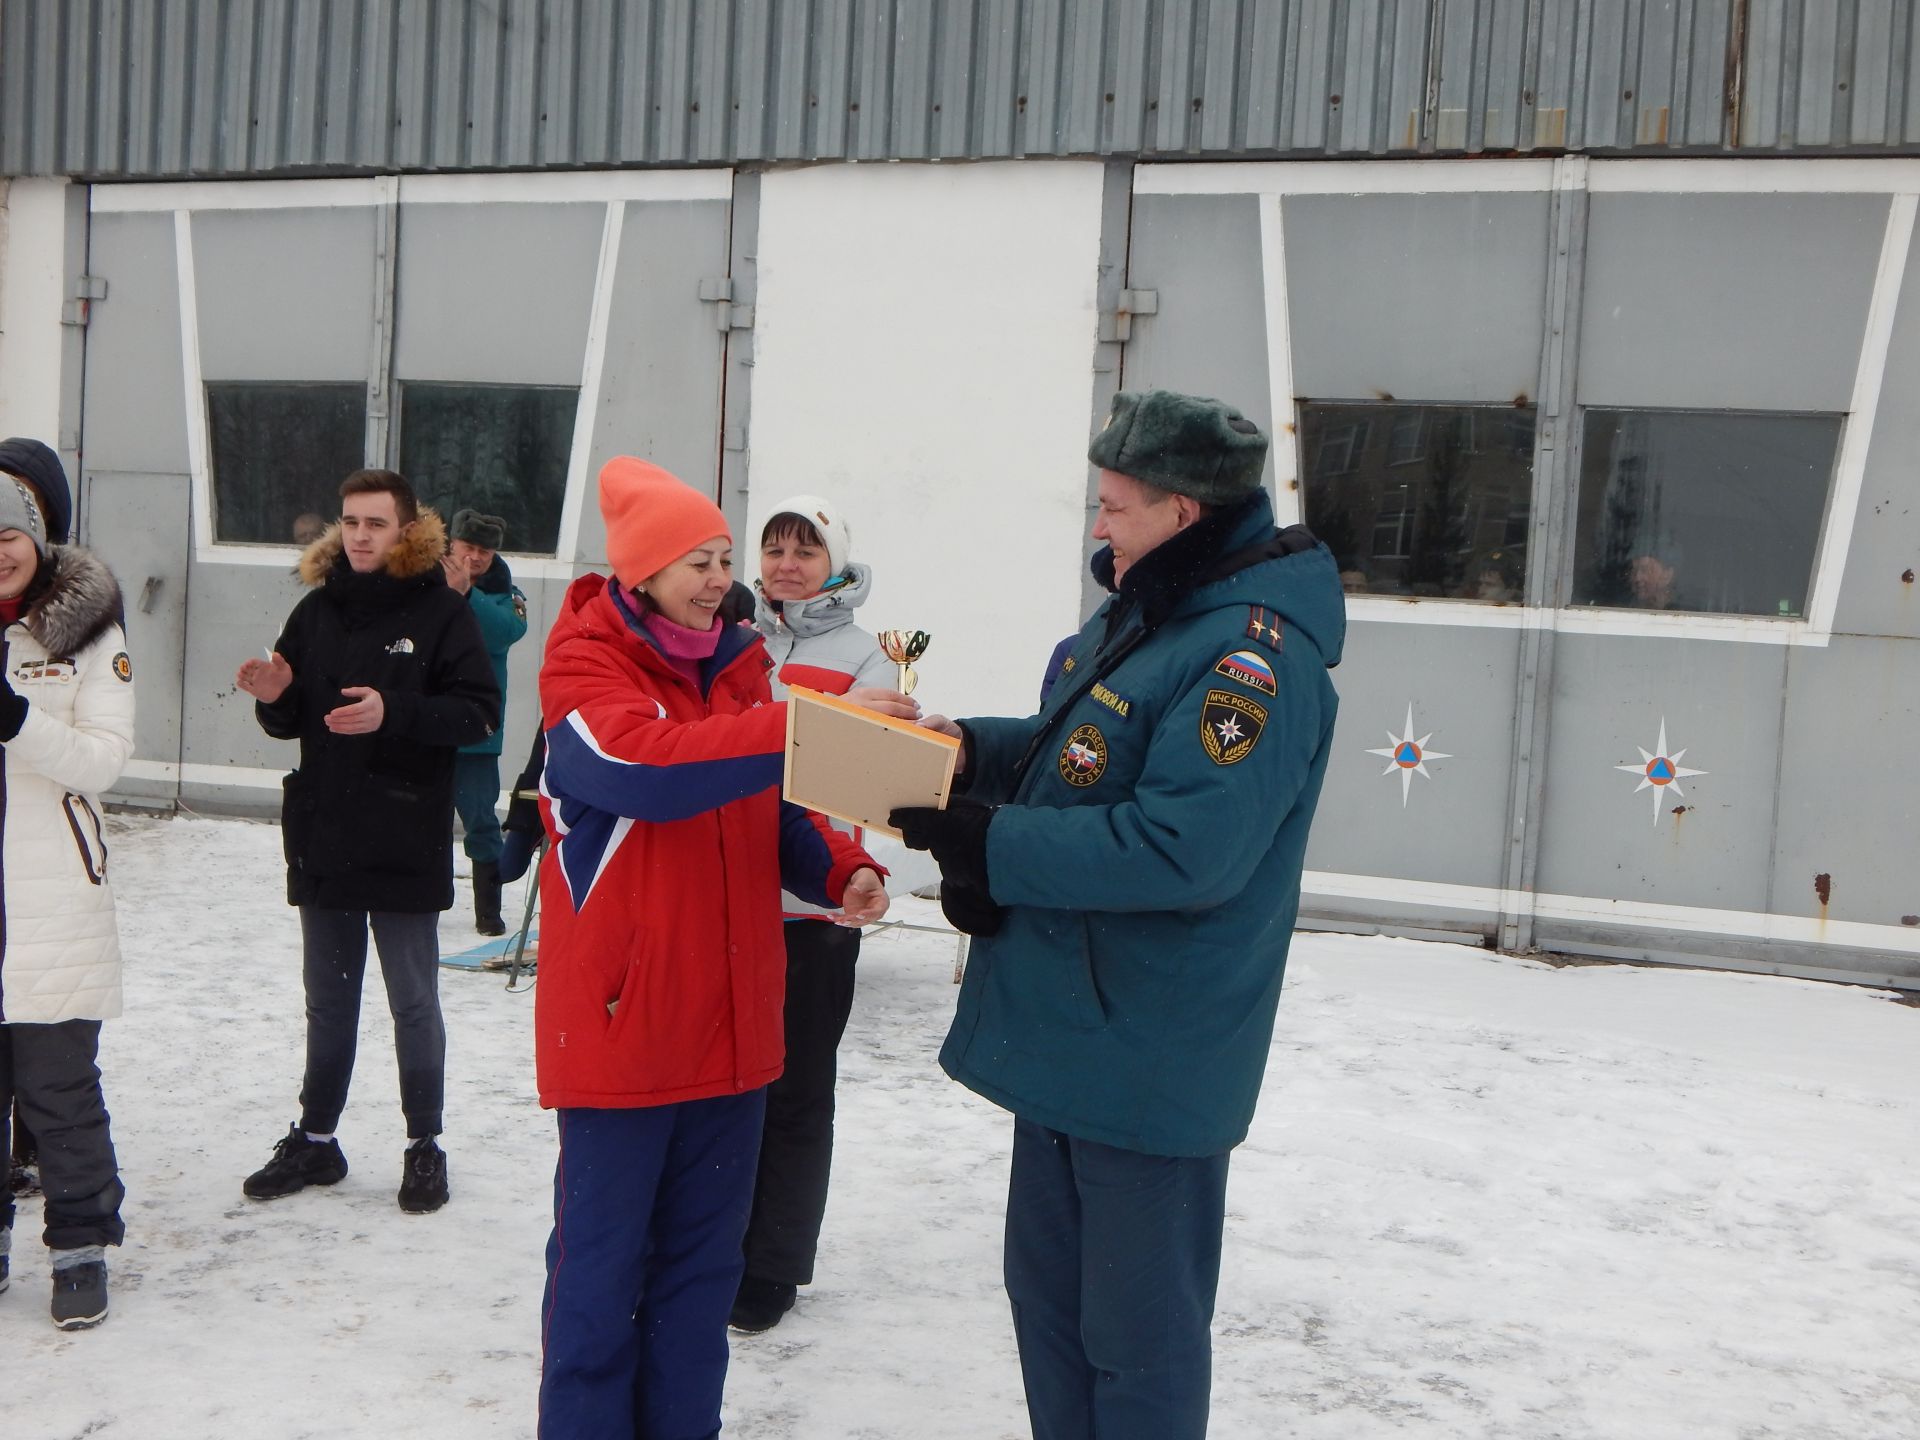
(53, 1071)
(335, 953)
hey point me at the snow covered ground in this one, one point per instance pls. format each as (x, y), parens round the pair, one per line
(1483, 1198)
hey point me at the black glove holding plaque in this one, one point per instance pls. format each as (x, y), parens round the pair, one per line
(957, 838)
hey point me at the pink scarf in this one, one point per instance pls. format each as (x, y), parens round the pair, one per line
(684, 648)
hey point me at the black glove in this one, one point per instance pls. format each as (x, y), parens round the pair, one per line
(970, 911)
(13, 709)
(957, 836)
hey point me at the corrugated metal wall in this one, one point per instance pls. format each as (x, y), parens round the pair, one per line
(111, 88)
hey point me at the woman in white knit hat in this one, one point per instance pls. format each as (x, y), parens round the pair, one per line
(808, 589)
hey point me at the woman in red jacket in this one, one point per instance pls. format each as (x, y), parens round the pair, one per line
(658, 1017)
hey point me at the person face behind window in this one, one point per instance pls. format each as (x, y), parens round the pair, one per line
(1651, 580)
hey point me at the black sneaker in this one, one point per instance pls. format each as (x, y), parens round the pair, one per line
(759, 1304)
(80, 1295)
(423, 1179)
(297, 1163)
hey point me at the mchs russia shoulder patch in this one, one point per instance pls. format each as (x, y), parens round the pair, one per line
(1230, 726)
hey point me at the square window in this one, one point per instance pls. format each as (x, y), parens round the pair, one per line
(279, 454)
(1420, 503)
(1705, 511)
(501, 449)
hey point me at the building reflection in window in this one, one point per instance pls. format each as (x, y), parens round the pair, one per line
(1421, 500)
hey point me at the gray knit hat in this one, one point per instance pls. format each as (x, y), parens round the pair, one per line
(19, 510)
(1184, 443)
(486, 531)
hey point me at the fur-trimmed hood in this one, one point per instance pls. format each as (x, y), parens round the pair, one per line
(418, 552)
(73, 601)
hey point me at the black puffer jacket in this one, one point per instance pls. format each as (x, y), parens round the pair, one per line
(368, 819)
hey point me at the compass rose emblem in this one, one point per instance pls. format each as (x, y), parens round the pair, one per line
(1660, 770)
(1408, 756)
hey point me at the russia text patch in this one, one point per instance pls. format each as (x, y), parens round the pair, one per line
(1250, 670)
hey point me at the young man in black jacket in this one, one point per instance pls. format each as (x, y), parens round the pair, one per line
(380, 674)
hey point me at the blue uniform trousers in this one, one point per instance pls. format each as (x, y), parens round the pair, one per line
(476, 790)
(649, 1206)
(1112, 1261)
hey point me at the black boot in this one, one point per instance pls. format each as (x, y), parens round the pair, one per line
(486, 898)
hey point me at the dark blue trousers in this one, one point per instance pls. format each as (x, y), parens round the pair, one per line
(53, 1072)
(476, 790)
(649, 1207)
(1112, 1261)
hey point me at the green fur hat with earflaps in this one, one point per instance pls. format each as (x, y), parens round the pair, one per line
(1184, 443)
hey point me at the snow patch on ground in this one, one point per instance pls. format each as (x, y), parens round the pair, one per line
(1483, 1198)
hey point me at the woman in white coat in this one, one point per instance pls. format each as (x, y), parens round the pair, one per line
(66, 731)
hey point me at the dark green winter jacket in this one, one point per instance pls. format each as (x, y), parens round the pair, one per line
(501, 612)
(1149, 844)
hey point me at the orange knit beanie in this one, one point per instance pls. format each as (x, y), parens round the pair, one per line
(653, 518)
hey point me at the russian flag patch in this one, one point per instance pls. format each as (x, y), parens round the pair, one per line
(1250, 670)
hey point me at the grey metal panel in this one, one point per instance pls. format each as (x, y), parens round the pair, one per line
(1745, 953)
(736, 417)
(495, 293)
(821, 129)
(1880, 591)
(139, 525)
(1849, 791)
(669, 79)
(311, 270)
(233, 611)
(1754, 302)
(954, 78)
(136, 420)
(1721, 705)
(1202, 254)
(522, 711)
(1451, 826)
(660, 385)
(1839, 73)
(173, 87)
(1423, 297)
(756, 87)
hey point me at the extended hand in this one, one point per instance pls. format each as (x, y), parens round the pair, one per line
(884, 701)
(864, 900)
(362, 717)
(957, 836)
(265, 679)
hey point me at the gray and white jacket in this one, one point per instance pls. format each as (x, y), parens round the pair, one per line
(814, 643)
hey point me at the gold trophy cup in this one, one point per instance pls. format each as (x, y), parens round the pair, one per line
(903, 647)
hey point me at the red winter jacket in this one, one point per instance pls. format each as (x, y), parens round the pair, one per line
(662, 962)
